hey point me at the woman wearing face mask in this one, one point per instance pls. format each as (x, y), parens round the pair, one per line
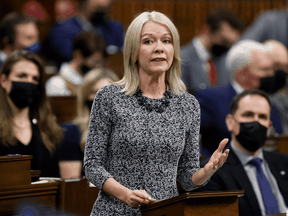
(71, 151)
(27, 125)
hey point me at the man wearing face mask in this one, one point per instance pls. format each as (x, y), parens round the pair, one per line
(276, 85)
(262, 174)
(88, 53)
(18, 31)
(201, 62)
(248, 63)
(93, 16)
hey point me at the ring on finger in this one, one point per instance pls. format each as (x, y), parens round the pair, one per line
(216, 166)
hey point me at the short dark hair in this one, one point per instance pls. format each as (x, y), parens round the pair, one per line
(89, 43)
(234, 105)
(8, 26)
(217, 16)
(81, 4)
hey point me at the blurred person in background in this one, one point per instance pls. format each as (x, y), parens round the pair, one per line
(18, 31)
(248, 63)
(27, 125)
(276, 86)
(92, 15)
(88, 53)
(269, 25)
(201, 65)
(71, 151)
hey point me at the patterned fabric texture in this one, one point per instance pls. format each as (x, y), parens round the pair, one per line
(141, 150)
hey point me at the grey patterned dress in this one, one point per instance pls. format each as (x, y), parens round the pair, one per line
(141, 150)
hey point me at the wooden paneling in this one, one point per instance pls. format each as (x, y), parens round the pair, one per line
(188, 15)
(64, 108)
(77, 197)
(15, 170)
(279, 144)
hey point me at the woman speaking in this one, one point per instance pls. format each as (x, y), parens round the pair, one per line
(144, 130)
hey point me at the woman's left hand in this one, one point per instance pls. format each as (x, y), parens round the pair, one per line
(217, 159)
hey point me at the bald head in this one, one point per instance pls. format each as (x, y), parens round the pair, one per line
(278, 54)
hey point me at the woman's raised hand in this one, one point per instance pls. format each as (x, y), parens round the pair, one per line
(218, 158)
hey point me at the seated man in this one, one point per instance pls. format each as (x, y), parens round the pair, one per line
(88, 53)
(248, 63)
(223, 27)
(93, 16)
(18, 31)
(279, 91)
(262, 174)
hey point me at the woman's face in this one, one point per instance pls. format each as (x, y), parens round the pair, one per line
(156, 49)
(97, 86)
(22, 71)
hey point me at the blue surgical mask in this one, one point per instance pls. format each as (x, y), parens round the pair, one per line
(34, 48)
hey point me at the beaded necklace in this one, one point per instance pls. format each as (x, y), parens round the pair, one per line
(159, 108)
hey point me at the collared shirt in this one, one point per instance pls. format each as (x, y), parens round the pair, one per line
(252, 175)
(56, 85)
(3, 56)
(238, 89)
(203, 54)
(88, 26)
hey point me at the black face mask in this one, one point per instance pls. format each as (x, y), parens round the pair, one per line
(218, 50)
(89, 104)
(272, 84)
(98, 17)
(24, 94)
(85, 69)
(252, 135)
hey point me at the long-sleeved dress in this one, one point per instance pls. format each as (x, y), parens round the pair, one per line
(141, 149)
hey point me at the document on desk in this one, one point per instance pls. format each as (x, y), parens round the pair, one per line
(40, 182)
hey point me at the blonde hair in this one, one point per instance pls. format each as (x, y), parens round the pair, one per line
(130, 81)
(83, 92)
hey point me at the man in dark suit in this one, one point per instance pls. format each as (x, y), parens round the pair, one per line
(222, 29)
(247, 62)
(249, 123)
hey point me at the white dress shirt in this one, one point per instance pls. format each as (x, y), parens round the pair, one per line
(203, 54)
(57, 86)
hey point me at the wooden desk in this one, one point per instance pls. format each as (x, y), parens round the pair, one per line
(279, 144)
(71, 195)
(64, 108)
(197, 204)
(15, 170)
(11, 197)
(76, 196)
